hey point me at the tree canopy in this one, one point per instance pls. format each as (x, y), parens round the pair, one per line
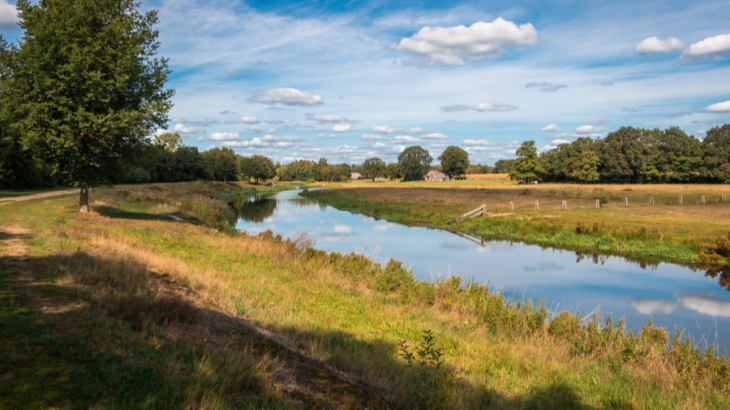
(221, 163)
(454, 161)
(258, 167)
(169, 141)
(87, 86)
(527, 167)
(413, 163)
(373, 168)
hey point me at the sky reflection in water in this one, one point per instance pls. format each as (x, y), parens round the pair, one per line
(670, 294)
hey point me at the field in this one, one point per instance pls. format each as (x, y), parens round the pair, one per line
(125, 307)
(689, 231)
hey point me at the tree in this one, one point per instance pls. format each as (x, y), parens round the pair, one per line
(414, 163)
(454, 161)
(373, 168)
(717, 153)
(527, 167)
(261, 168)
(88, 87)
(392, 171)
(170, 141)
(582, 162)
(503, 166)
(221, 164)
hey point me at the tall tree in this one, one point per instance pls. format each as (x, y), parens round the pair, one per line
(392, 171)
(373, 168)
(454, 161)
(414, 162)
(169, 141)
(221, 164)
(717, 153)
(88, 86)
(527, 167)
(503, 166)
(582, 162)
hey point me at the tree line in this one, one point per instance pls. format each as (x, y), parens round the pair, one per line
(631, 155)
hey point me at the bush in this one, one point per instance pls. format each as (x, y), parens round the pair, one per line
(430, 382)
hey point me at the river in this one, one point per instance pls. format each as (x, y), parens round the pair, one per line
(673, 296)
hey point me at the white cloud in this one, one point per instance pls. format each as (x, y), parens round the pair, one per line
(157, 133)
(455, 108)
(559, 141)
(653, 45)
(494, 107)
(272, 121)
(631, 109)
(381, 129)
(648, 307)
(8, 14)
(550, 128)
(434, 136)
(406, 139)
(548, 87)
(373, 137)
(343, 228)
(223, 136)
(475, 142)
(258, 130)
(709, 48)
(248, 120)
(452, 45)
(230, 72)
(186, 130)
(331, 136)
(705, 304)
(342, 128)
(607, 83)
(600, 121)
(286, 96)
(327, 118)
(589, 129)
(719, 107)
(700, 133)
(177, 120)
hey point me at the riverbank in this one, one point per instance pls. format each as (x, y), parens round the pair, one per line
(125, 306)
(665, 230)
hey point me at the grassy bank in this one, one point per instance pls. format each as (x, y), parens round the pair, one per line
(131, 308)
(665, 230)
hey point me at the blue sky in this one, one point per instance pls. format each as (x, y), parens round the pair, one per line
(352, 80)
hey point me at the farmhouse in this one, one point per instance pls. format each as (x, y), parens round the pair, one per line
(355, 175)
(436, 176)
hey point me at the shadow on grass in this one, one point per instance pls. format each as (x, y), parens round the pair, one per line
(111, 212)
(107, 341)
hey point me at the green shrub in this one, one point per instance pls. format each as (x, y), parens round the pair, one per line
(431, 383)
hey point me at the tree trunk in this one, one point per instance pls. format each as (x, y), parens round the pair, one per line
(84, 198)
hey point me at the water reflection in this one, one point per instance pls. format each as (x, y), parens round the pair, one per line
(685, 296)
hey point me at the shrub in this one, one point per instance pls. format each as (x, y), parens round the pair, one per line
(431, 383)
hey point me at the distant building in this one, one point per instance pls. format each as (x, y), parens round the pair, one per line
(436, 176)
(355, 175)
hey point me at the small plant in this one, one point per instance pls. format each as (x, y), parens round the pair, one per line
(603, 199)
(430, 382)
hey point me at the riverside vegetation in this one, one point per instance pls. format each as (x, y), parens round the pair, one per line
(126, 307)
(667, 230)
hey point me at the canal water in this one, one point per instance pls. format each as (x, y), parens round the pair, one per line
(694, 301)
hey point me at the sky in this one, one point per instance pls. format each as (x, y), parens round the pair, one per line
(350, 80)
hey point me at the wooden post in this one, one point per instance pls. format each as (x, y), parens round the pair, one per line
(724, 198)
(702, 199)
(511, 206)
(680, 199)
(565, 205)
(651, 200)
(537, 206)
(626, 201)
(598, 204)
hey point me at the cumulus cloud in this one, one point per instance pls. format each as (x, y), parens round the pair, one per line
(157, 133)
(248, 120)
(434, 136)
(331, 136)
(381, 129)
(475, 142)
(405, 139)
(267, 141)
(550, 128)
(719, 107)
(327, 118)
(548, 87)
(704, 304)
(600, 121)
(700, 133)
(454, 45)
(272, 121)
(230, 72)
(494, 107)
(653, 45)
(455, 108)
(8, 14)
(227, 112)
(589, 129)
(607, 84)
(256, 129)
(206, 122)
(223, 136)
(286, 96)
(178, 120)
(631, 109)
(559, 141)
(373, 137)
(186, 130)
(709, 48)
(342, 128)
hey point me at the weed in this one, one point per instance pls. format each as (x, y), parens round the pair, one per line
(430, 382)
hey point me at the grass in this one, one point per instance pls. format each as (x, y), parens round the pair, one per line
(689, 232)
(111, 289)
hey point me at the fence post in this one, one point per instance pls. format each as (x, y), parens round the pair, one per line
(598, 204)
(702, 199)
(724, 198)
(565, 205)
(626, 201)
(680, 199)
(651, 200)
(537, 206)
(511, 206)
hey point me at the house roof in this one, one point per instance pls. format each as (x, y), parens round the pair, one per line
(355, 175)
(437, 174)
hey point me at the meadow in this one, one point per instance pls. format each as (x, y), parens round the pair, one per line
(661, 222)
(126, 307)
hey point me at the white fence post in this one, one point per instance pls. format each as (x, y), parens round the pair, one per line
(651, 200)
(598, 204)
(537, 206)
(680, 199)
(702, 199)
(626, 201)
(511, 206)
(565, 205)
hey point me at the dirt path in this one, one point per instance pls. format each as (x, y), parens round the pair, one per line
(6, 201)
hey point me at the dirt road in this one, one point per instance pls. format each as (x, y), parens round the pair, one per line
(5, 201)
